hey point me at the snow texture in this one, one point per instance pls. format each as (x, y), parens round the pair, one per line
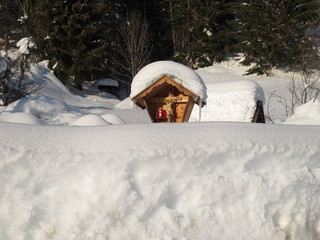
(39, 106)
(204, 181)
(25, 44)
(308, 113)
(230, 101)
(89, 120)
(104, 177)
(176, 71)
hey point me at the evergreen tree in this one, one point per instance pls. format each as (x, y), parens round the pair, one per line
(9, 15)
(273, 32)
(74, 35)
(200, 30)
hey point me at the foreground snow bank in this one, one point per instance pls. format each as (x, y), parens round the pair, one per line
(204, 181)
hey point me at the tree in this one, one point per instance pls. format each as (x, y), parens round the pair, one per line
(200, 31)
(74, 37)
(272, 33)
(133, 46)
(9, 15)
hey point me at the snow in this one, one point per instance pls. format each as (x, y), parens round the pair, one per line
(231, 101)
(117, 182)
(39, 106)
(182, 74)
(308, 113)
(94, 168)
(25, 44)
(89, 120)
(21, 117)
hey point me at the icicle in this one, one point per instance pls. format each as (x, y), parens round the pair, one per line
(200, 107)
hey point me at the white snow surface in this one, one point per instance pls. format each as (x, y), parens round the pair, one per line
(182, 74)
(160, 181)
(230, 101)
(39, 106)
(25, 44)
(308, 113)
(95, 170)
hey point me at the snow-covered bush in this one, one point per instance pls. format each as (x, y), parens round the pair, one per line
(308, 113)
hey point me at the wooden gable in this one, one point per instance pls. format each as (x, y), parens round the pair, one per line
(170, 96)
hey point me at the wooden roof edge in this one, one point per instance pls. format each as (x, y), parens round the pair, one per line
(140, 104)
(163, 79)
(149, 88)
(203, 103)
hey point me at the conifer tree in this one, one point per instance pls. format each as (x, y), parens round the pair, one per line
(9, 16)
(273, 32)
(74, 37)
(199, 30)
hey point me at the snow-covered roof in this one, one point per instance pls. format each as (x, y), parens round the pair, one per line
(231, 101)
(107, 82)
(182, 74)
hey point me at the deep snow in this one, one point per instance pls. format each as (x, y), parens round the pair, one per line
(98, 169)
(164, 181)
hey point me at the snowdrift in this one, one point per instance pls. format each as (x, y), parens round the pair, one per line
(234, 101)
(155, 181)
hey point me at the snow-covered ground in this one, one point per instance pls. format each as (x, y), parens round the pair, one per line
(92, 167)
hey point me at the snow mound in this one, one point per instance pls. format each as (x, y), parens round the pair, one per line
(113, 119)
(125, 104)
(20, 117)
(306, 114)
(204, 181)
(230, 101)
(90, 120)
(64, 118)
(39, 106)
(176, 71)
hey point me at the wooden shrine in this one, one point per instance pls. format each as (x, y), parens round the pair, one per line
(167, 101)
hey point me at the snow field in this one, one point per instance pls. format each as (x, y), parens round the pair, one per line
(106, 178)
(172, 181)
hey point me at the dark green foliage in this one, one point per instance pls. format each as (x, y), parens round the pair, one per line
(200, 31)
(9, 14)
(81, 38)
(272, 33)
(74, 37)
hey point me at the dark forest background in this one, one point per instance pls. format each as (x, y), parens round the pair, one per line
(86, 40)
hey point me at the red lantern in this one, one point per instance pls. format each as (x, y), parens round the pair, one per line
(161, 113)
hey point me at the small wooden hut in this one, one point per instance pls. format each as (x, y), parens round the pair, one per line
(167, 101)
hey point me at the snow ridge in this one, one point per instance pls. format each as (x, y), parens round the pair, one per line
(227, 180)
